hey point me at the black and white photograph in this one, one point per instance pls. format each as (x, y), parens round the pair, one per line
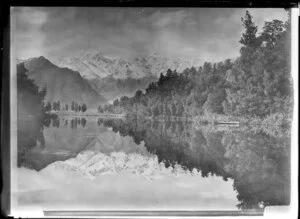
(152, 109)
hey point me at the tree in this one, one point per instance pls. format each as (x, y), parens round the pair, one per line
(54, 106)
(214, 102)
(73, 106)
(180, 109)
(83, 108)
(250, 44)
(173, 109)
(58, 105)
(167, 110)
(83, 122)
(169, 74)
(272, 31)
(100, 109)
(138, 94)
(249, 36)
(76, 107)
(116, 102)
(160, 82)
(48, 107)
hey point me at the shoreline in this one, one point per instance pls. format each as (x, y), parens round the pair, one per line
(276, 120)
(81, 114)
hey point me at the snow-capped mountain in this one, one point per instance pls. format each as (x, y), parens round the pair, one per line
(155, 63)
(93, 64)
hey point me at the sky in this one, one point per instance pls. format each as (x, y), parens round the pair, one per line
(210, 34)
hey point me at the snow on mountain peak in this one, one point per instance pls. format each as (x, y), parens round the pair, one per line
(93, 64)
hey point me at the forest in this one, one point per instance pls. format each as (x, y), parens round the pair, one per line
(30, 100)
(257, 84)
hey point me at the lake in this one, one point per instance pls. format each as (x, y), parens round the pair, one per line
(137, 164)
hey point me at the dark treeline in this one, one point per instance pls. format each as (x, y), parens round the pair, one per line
(258, 83)
(57, 122)
(259, 164)
(75, 107)
(31, 113)
(30, 100)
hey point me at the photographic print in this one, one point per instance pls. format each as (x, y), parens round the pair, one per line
(152, 109)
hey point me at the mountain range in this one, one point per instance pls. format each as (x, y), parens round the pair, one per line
(93, 78)
(92, 64)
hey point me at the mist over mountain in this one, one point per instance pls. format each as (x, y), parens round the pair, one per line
(112, 88)
(93, 64)
(62, 84)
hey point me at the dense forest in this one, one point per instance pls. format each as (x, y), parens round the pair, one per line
(30, 100)
(31, 113)
(257, 84)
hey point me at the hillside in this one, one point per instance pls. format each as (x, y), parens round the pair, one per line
(63, 84)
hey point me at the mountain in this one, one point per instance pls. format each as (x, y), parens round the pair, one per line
(112, 88)
(63, 84)
(155, 63)
(93, 64)
(114, 76)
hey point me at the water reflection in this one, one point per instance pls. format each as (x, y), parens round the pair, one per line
(41, 142)
(259, 164)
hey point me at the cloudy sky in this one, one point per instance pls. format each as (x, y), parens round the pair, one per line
(208, 34)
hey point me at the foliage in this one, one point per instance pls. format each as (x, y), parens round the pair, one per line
(30, 99)
(257, 84)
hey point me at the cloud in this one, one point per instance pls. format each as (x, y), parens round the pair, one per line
(163, 19)
(210, 34)
(29, 38)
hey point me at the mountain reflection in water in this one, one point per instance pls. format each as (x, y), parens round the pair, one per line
(258, 164)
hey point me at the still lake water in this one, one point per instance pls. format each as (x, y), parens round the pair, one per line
(100, 164)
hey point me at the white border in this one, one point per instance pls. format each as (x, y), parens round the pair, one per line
(13, 115)
(292, 210)
(270, 212)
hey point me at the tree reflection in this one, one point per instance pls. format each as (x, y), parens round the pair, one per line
(30, 135)
(83, 122)
(55, 122)
(258, 163)
(78, 122)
